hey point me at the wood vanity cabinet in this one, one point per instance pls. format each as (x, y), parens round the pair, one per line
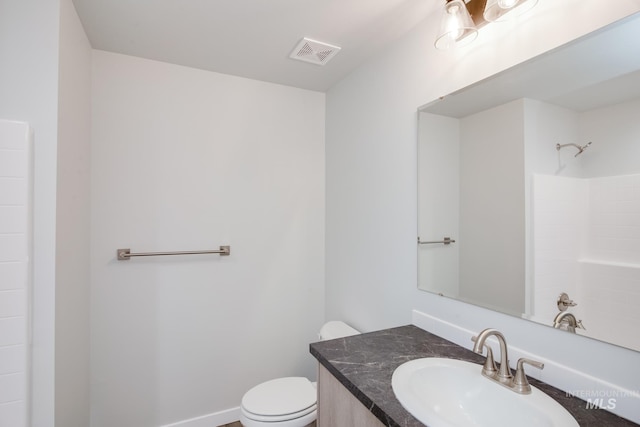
(337, 407)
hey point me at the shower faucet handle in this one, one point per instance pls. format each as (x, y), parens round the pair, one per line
(565, 302)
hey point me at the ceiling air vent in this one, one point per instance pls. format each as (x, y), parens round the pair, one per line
(314, 52)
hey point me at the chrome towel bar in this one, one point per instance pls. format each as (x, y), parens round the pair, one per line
(126, 254)
(444, 241)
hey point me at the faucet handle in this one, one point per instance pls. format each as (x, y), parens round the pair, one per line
(565, 302)
(520, 383)
(489, 368)
(580, 325)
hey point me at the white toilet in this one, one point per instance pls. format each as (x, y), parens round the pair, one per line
(291, 401)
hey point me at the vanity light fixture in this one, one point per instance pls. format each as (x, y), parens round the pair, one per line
(461, 19)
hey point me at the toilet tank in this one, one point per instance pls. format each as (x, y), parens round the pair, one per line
(336, 329)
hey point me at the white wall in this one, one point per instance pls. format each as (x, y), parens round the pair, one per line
(371, 180)
(547, 125)
(492, 207)
(72, 223)
(614, 131)
(28, 92)
(184, 159)
(471, 186)
(16, 205)
(438, 203)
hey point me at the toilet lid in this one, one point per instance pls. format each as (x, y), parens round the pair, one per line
(281, 396)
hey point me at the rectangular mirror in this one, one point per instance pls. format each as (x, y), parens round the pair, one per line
(534, 177)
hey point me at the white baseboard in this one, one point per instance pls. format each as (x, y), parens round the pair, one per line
(626, 403)
(210, 420)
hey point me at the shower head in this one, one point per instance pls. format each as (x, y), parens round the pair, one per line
(580, 148)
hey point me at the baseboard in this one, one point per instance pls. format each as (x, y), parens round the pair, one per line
(626, 403)
(210, 420)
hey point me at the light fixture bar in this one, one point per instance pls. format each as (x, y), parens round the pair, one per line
(502, 10)
(461, 19)
(476, 10)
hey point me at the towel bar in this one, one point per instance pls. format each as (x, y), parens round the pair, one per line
(126, 254)
(444, 241)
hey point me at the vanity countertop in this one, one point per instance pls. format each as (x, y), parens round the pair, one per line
(364, 363)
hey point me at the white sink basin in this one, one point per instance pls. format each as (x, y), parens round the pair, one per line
(448, 392)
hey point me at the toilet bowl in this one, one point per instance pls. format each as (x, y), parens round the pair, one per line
(290, 401)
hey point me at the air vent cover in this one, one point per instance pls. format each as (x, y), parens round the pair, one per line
(314, 52)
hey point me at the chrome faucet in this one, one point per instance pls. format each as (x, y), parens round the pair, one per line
(504, 375)
(567, 322)
(519, 383)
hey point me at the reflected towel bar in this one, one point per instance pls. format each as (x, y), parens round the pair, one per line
(126, 254)
(444, 241)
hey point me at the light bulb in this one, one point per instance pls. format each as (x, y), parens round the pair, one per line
(507, 4)
(456, 26)
(502, 10)
(452, 8)
(453, 26)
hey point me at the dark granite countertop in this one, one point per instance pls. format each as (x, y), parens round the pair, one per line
(364, 365)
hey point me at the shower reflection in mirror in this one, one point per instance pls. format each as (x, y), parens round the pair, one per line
(524, 215)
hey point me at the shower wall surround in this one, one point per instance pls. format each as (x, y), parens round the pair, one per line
(16, 175)
(602, 272)
(586, 219)
(560, 215)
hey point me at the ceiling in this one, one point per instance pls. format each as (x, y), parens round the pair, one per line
(252, 38)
